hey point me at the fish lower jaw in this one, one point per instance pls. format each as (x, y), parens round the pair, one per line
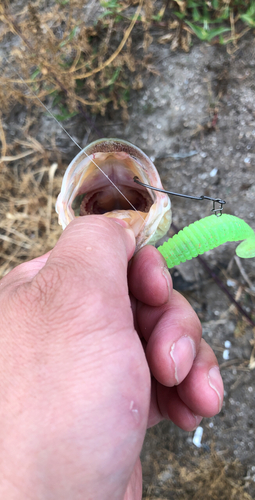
(135, 220)
(114, 204)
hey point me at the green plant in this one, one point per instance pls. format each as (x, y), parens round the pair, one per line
(201, 16)
(65, 114)
(60, 55)
(112, 8)
(206, 33)
(249, 16)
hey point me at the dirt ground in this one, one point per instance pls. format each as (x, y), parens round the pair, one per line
(195, 117)
(175, 114)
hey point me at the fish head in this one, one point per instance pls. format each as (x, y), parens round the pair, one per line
(100, 180)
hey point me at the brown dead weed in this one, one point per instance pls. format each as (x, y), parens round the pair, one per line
(197, 476)
(29, 224)
(68, 54)
(72, 57)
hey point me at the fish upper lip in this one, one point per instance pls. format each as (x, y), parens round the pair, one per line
(98, 191)
(97, 180)
(104, 182)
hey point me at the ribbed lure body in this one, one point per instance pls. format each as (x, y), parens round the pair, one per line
(206, 234)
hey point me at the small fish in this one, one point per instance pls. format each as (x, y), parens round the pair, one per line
(100, 180)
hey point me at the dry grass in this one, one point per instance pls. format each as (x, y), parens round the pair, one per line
(65, 52)
(213, 479)
(78, 58)
(29, 184)
(194, 476)
(29, 224)
(82, 56)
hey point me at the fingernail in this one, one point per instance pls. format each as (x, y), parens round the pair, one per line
(183, 353)
(215, 382)
(198, 420)
(166, 275)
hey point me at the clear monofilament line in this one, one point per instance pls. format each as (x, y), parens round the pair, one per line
(74, 141)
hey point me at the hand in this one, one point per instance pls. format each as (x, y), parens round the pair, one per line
(186, 382)
(74, 379)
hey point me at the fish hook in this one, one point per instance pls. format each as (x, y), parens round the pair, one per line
(217, 211)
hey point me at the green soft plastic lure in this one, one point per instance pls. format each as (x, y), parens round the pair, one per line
(206, 234)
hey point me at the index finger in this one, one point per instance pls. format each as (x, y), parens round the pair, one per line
(149, 279)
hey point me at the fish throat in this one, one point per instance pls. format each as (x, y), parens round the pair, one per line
(112, 189)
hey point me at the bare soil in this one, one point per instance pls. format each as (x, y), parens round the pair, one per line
(195, 117)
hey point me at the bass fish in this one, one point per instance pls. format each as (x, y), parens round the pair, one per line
(101, 180)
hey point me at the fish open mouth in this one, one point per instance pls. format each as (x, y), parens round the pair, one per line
(100, 180)
(111, 187)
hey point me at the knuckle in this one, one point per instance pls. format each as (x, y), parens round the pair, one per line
(46, 283)
(40, 310)
(38, 297)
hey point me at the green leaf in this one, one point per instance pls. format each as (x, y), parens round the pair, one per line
(111, 4)
(225, 13)
(204, 33)
(179, 15)
(248, 20)
(200, 32)
(65, 114)
(195, 14)
(61, 118)
(106, 13)
(57, 99)
(112, 9)
(221, 40)
(215, 4)
(35, 74)
(114, 77)
(191, 4)
(73, 33)
(157, 17)
(126, 95)
(217, 32)
(70, 37)
(249, 17)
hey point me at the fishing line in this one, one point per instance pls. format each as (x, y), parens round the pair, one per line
(72, 139)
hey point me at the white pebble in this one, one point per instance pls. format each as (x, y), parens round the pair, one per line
(225, 354)
(231, 282)
(213, 172)
(197, 438)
